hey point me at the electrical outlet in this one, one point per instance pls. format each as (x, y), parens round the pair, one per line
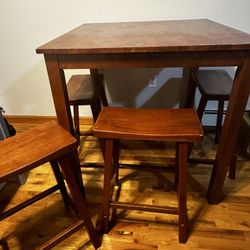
(152, 81)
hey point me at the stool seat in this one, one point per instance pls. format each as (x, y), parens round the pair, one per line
(215, 84)
(29, 149)
(149, 124)
(177, 125)
(82, 91)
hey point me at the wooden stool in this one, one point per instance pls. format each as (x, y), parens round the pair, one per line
(178, 125)
(215, 85)
(83, 91)
(48, 142)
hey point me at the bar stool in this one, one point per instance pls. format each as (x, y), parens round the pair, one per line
(177, 125)
(48, 142)
(215, 85)
(82, 90)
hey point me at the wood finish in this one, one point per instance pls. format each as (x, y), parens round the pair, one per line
(148, 124)
(19, 154)
(177, 125)
(156, 36)
(179, 43)
(48, 142)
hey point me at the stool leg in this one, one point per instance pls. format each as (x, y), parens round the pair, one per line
(181, 156)
(116, 156)
(71, 168)
(107, 183)
(96, 108)
(200, 112)
(176, 170)
(219, 121)
(60, 182)
(232, 167)
(201, 107)
(76, 122)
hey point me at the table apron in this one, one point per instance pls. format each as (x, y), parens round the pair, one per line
(152, 60)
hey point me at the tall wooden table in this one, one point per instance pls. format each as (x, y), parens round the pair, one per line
(182, 43)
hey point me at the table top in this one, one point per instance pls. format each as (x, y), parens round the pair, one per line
(148, 36)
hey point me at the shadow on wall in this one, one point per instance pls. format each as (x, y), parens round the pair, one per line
(130, 87)
(29, 94)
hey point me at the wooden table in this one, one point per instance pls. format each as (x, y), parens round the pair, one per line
(183, 43)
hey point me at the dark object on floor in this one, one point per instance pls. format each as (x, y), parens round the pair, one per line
(6, 125)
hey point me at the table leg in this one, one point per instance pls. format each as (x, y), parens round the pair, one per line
(236, 107)
(97, 80)
(190, 90)
(59, 92)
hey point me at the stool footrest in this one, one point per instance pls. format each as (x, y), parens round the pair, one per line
(63, 235)
(201, 161)
(87, 133)
(144, 207)
(29, 202)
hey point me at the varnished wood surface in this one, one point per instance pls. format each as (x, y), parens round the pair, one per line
(149, 124)
(215, 84)
(224, 226)
(25, 155)
(156, 36)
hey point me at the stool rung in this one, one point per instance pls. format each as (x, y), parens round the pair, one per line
(61, 236)
(87, 133)
(201, 161)
(28, 202)
(145, 207)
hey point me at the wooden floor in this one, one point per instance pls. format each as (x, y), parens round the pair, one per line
(223, 226)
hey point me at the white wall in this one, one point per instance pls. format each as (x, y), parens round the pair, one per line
(25, 25)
